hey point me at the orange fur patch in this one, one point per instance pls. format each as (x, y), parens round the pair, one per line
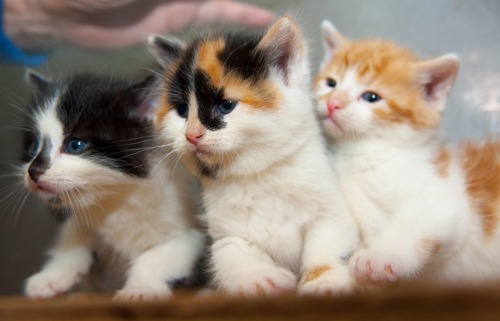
(164, 106)
(163, 109)
(482, 167)
(315, 273)
(431, 247)
(387, 70)
(208, 60)
(260, 95)
(443, 161)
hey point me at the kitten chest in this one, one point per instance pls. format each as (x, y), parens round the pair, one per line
(373, 187)
(264, 219)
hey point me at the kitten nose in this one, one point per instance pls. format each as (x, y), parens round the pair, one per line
(35, 172)
(194, 137)
(334, 104)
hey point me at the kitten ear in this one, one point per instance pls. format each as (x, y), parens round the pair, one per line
(283, 43)
(437, 77)
(40, 82)
(148, 95)
(332, 40)
(165, 48)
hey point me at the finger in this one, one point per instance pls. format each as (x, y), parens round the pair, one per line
(95, 5)
(232, 12)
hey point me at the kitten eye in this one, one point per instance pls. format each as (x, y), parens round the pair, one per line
(370, 97)
(182, 110)
(76, 146)
(33, 148)
(226, 106)
(331, 83)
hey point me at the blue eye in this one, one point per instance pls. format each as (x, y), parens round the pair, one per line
(226, 106)
(76, 146)
(33, 148)
(370, 97)
(182, 110)
(331, 83)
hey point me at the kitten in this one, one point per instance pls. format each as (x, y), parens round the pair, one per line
(92, 153)
(427, 211)
(237, 108)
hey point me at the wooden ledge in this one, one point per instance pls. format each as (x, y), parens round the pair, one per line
(430, 304)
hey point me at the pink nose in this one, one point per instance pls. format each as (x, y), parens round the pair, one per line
(194, 137)
(334, 104)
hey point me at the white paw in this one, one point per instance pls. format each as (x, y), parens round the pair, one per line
(327, 282)
(265, 281)
(143, 293)
(48, 284)
(377, 267)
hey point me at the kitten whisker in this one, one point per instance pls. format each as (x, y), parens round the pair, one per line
(86, 211)
(135, 151)
(146, 138)
(80, 213)
(20, 207)
(14, 199)
(177, 161)
(160, 162)
(13, 95)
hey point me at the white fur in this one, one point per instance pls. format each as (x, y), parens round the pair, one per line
(147, 221)
(273, 210)
(401, 203)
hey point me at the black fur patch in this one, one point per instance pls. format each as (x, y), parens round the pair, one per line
(208, 97)
(182, 85)
(105, 114)
(241, 56)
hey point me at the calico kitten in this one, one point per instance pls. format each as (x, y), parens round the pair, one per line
(427, 211)
(237, 108)
(92, 153)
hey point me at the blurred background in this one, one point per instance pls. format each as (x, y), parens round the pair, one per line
(429, 27)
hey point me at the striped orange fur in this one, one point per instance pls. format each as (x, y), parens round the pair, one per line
(482, 168)
(443, 161)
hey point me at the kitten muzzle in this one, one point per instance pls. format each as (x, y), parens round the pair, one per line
(334, 104)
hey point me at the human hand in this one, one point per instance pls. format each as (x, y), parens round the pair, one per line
(114, 24)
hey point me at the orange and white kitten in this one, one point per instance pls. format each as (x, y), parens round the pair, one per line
(426, 211)
(238, 109)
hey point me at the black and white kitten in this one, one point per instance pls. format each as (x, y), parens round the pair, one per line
(92, 153)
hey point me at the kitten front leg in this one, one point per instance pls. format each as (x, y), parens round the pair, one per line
(328, 246)
(151, 271)
(244, 270)
(422, 228)
(70, 261)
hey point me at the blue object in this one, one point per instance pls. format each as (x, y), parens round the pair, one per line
(12, 54)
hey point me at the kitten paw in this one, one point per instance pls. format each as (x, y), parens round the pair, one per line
(325, 281)
(142, 293)
(265, 282)
(376, 267)
(48, 284)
